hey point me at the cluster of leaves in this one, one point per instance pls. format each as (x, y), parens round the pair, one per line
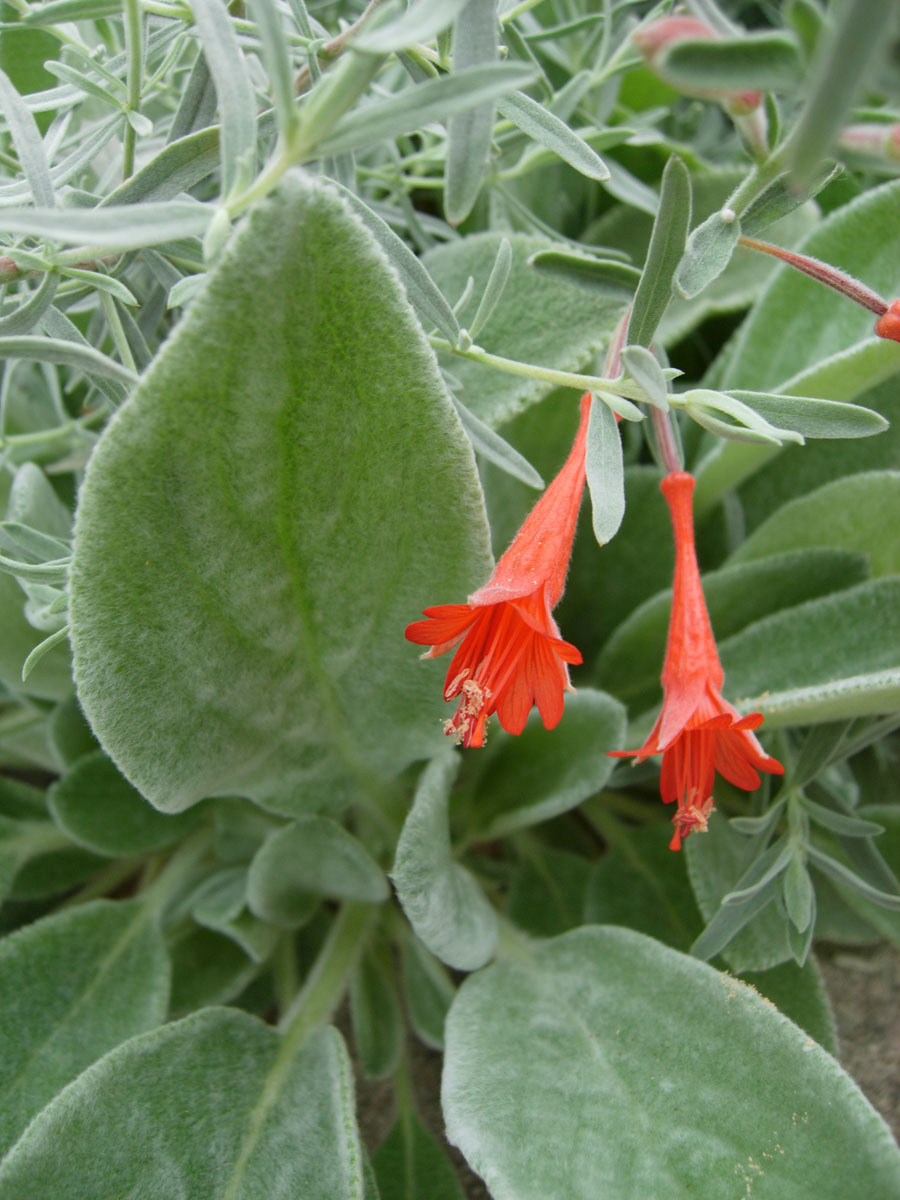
(246, 259)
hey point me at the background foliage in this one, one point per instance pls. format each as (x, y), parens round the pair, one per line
(297, 303)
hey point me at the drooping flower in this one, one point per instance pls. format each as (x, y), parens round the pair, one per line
(509, 653)
(697, 731)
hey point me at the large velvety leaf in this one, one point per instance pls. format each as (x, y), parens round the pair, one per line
(290, 461)
(604, 1064)
(736, 596)
(858, 512)
(518, 327)
(214, 1107)
(72, 987)
(830, 658)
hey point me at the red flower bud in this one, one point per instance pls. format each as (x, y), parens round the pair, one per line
(654, 40)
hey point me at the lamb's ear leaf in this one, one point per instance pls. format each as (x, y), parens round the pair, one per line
(560, 1061)
(242, 1113)
(289, 460)
(73, 986)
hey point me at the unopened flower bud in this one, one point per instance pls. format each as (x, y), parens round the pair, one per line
(873, 139)
(655, 39)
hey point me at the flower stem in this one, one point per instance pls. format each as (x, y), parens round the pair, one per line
(327, 980)
(822, 272)
(615, 392)
(666, 441)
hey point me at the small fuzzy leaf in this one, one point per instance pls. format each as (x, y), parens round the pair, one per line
(421, 21)
(594, 1067)
(542, 773)
(778, 199)
(605, 471)
(491, 445)
(26, 137)
(73, 986)
(797, 890)
(493, 288)
(234, 92)
(444, 903)
(708, 252)
(112, 227)
(428, 992)
(98, 809)
(643, 367)
(311, 857)
(252, 1100)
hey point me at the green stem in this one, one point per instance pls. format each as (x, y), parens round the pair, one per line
(327, 980)
(135, 46)
(287, 977)
(118, 332)
(179, 867)
(611, 389)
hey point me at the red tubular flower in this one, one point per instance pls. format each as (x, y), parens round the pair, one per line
(510, 653)
(697, 732)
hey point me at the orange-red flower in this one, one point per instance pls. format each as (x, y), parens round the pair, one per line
(510, 653)
(697, 732)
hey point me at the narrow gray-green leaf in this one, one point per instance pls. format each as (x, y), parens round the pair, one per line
(493, 447)
(243, 587)
(518, 327)
(765, 61)
(68, 354)
(253, 1099)
(778, 199)
(421, 290)
(234, 91)
(605, 1064)
(278, 64)
(460, 93)
(604, 275)
(421, 21)
(313, 855)
(444, 903)
(605, 471)
(673, 219)
(73, 986)
(493, 288)
(813, 417)
(475, 41)
(427, 990)
(30, 311)
(27, 140)
(112, 227)
(708, 252)
(409, 1164)
(549, 131)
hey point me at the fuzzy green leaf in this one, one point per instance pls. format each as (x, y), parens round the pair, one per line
(263, 595)
(73, 986)
(252, 1100)
(542, 773)
(664, 253)
(444, 903)
(606, 1064)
